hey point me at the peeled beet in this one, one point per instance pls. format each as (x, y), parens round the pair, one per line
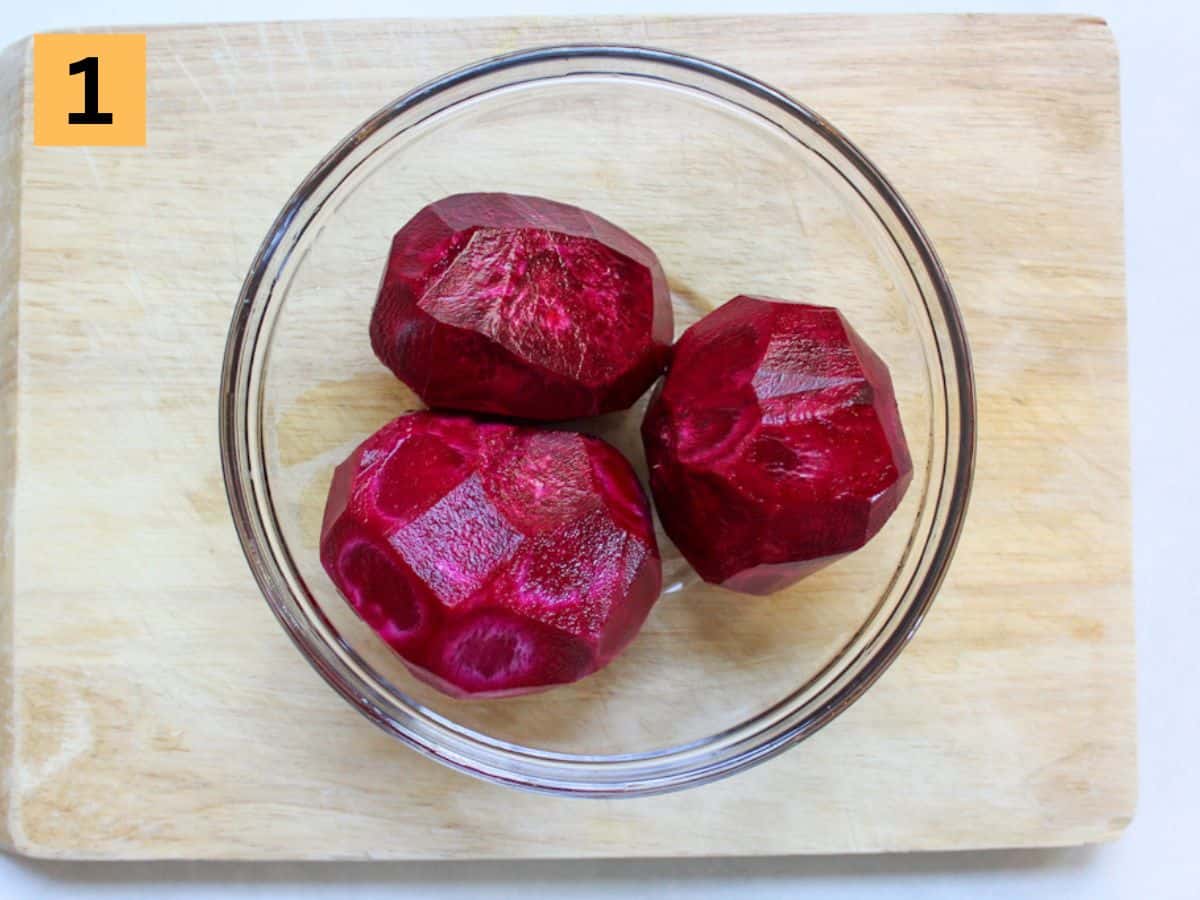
(494, 559)
(522, 307)
(774, 443)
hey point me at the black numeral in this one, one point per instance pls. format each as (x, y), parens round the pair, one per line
(91, 115)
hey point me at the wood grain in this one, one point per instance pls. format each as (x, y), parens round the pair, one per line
(12, 89)
(154, 709)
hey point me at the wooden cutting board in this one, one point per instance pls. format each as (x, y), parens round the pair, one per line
(153, 708)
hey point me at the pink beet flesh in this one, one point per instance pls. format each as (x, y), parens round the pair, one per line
(774, 443)
(494, 559)
(523, 307)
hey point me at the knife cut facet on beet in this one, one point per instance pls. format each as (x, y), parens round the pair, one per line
(494, 559)
(523, 307)
(774, 443)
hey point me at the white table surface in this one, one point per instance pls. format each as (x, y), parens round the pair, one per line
(1157, 857)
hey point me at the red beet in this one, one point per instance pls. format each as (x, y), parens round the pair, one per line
(520, 306)
(774, 443)
(494, 559)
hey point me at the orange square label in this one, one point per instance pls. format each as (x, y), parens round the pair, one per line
(89, 90)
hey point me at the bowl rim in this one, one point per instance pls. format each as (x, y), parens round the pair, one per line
(543, 770)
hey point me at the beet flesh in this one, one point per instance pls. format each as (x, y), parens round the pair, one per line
(522, 307)
(495, 559)
(774, 443)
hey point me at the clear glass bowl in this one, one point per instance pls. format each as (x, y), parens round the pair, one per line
(739, 189)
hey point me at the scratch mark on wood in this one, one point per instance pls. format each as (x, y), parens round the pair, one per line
(272, 78)
(91, 163)
(331, 49)
(199, 88)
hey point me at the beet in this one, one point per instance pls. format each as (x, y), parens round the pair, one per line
(521, 307)
(495, 559)
(774, 443)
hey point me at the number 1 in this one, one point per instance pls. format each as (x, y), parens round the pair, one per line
(91, 115)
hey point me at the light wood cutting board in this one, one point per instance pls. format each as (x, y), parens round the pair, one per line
(153, 708)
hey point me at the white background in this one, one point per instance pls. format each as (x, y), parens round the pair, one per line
(1156, 858)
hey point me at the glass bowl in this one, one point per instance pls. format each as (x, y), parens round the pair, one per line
(739, 189)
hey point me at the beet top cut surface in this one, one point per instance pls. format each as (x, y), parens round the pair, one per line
(774, 443)
(494, 559)
(523, 307)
